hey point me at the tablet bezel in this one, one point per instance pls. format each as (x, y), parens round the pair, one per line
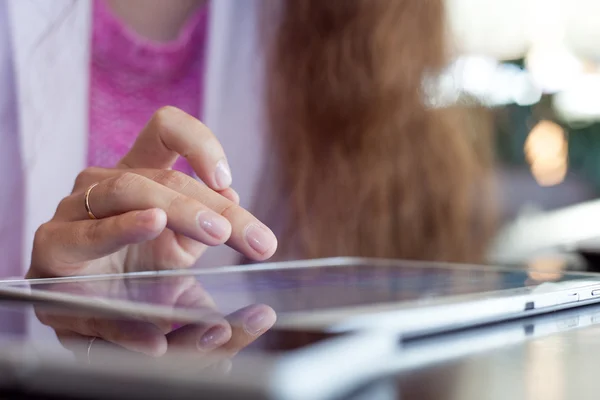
(407, 317)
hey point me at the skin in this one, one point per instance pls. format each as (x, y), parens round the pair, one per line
(152, 217)
(216, 336)
(159, 20)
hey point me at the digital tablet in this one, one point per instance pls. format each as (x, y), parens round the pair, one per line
(332, 295)
(334, 366)
(277, 366)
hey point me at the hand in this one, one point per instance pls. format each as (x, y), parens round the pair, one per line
(150, 217)
(213, 336)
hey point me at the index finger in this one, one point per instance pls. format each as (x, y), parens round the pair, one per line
(247, 325)
(172, 133)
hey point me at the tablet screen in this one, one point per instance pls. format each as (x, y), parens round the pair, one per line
(33, 360)
(303, 286)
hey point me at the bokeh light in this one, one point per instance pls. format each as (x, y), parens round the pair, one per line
(546, 151)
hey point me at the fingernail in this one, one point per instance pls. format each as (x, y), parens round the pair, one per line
(260, 239)
(213, 338)
(258, 322)
(215, 225)
(223, 175)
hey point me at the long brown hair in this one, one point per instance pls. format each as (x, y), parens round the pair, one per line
(364, 166)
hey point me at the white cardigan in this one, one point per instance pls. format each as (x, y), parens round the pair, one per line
(44, 70)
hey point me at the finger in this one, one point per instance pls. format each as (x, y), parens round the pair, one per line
(247, 234)
(70, 243)
(223, 367)
(201, 337)
(139, 336)
(74, 342)
(175, 180)
(81, 346)
(180, 292)
(247, 325)
(205, 336)
(194, 296)
(172, 250)
(129, 191)
(96, 351)
(172, 133)
(231, 195)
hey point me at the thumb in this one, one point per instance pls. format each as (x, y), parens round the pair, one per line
(87, 240)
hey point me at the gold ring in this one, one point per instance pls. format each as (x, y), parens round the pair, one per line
(86, 200)
(89, 348)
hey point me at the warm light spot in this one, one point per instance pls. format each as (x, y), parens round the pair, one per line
(549, 176)
(546, 151)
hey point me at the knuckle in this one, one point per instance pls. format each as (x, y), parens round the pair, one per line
(42, 235)
(229, 210)
(46, 245)
(64, 206)
(91, 325)
(173, 179)
(187, 262)
(44, 318)
(121, 183)
(178, 201)
(86, 177)
(165, 114)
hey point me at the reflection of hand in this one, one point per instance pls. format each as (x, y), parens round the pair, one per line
(154, 337)
(150, 217)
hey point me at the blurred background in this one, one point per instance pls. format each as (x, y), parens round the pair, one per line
(535, 64)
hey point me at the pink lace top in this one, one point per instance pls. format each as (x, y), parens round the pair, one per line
(132, 77)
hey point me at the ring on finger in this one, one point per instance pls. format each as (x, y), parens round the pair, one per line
(86, 200)
(89, 348)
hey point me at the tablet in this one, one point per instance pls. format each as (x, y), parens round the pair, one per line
(333, 295)
(271, 368)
